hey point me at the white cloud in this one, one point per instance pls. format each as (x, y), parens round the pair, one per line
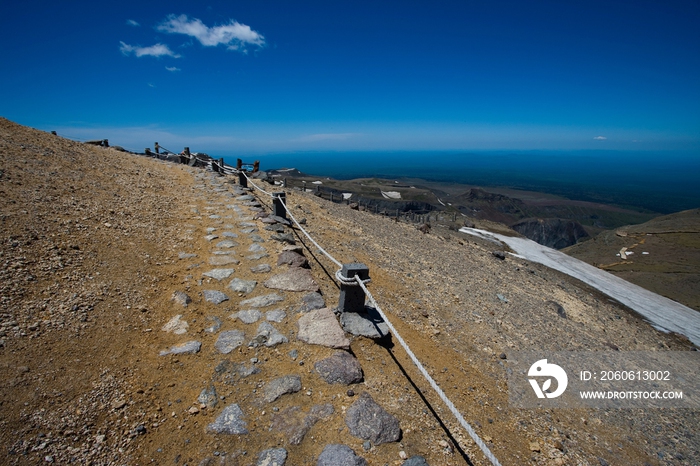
(600, 138)
(131, 22)
(172, 68)
(234, 35)
(151, 85)
(157, 50)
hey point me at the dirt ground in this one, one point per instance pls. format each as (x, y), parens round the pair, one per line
(90, 260)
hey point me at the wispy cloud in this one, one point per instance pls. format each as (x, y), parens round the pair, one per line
(600, 138)
(131, 22)
(158, 50)
(172, 69)
(151, 85)
(234, 35)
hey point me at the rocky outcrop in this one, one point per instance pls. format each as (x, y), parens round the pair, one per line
(552, 232)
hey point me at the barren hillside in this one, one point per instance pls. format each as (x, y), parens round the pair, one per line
(100, 247)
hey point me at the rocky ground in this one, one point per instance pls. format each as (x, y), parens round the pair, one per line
(132, 332)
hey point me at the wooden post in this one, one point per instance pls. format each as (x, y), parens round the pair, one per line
(157, 148)
(105, 143)
(239, 164)
(256, 166)
(221, 166)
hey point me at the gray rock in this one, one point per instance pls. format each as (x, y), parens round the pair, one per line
(214, 216)
(261, 268)
(293, 259)
(367, 324)
(272, 336)
(219, 274)
(226, 244)
(211, 230)
(339, 455)
(341, 368)
(247, 317)
(320, 327)
(229, 234)
(245, 197)
(230, 372)
(282, 386)
(277, 315)
(210, 237)
(294, 279)
(181, 298)
(176, 326)
(501, 298)
(367, 420)
(262, 301)
(312, 301)
(215, 326)
(294, 424)
(229, 340)
(248, 230)
(258, 256)
(242, 286)
(277, 228)
(184, 255)
(499, 255)
(257, 238)
(272, 457)
(208, 397)
(255, 247)
(190, 347)
(230, 421)
(223, 253)
(284, 238)
(281, 220)
(247, 224)
(415, 461)
(223, 260)
(214, 296)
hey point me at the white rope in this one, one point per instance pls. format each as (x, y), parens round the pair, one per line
(480, 443)
(257, 187)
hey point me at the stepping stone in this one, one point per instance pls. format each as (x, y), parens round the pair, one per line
(228, 234)
(211, 230)
(245, 197)
(214, 216)
(208, 397)
(249, 230)
(295, 424)
(284, 238)
(281, 220)
(312, 301)
(272, 457)
(320, 327)
(247, 224)
(292, 259)
(369, 421)
(366, 324)
(215, 326)
(255, 257)
(415, 461)
(229, 341)
(276, 228)
(213, 296)
(190, 347)
(223, 260)
(210, 237)
(256, 238)
(219, 274)
(275, 316)
(247, 317)
(242, 286)
(268, 220)
(339, 455)
(230, 421)
(341, 368)
(176, 326)
(255, 247)
(185, 255)
(262, 301)
(226, 244)
(281, 386)
(181, 298)
(270, 334)
(262, 268)
(294, 279)
(223, 253)
(230, 372)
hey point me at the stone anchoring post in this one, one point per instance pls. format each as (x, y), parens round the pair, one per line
(352, 297)
(278, 202)
(242, 180)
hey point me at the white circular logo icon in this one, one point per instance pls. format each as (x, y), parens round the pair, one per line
(543, 369)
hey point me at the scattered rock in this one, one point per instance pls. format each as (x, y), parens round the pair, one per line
(312, 301)
(320, 327)
(282, 386)
(272, 457)
(190, 347)
(339, 455)
(415, 461)
(181, 298)
(229, 340)
(277, 315)
(230, 421)
(226, 244)
(294, 279)
(367, 324)
(499, 255)
(215, 326)
(242, 286)
(261, 268)
(279, 219)
(369, 421)
(228, 234)
(341, 368)
(247, 317)
(208, 397)
(284, 238)
(558, 308)
(272, 336)
(185, 255)
(219, 274)
(223, 260)
(255, 247)
(214, 296)
(295, 425)
(292, 259)
(534, 446)
(176, 326)
(210, 237)
(262, 301)
(501, 298)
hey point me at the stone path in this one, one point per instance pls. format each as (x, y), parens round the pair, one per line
(259, 292)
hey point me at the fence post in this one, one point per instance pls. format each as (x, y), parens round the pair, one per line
(239, 164)
(54, 133)
(352, 298)
(242, 180)
(278, 201)
(221, 166)
(157, 148)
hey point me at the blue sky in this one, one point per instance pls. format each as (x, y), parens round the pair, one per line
(229, 77)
